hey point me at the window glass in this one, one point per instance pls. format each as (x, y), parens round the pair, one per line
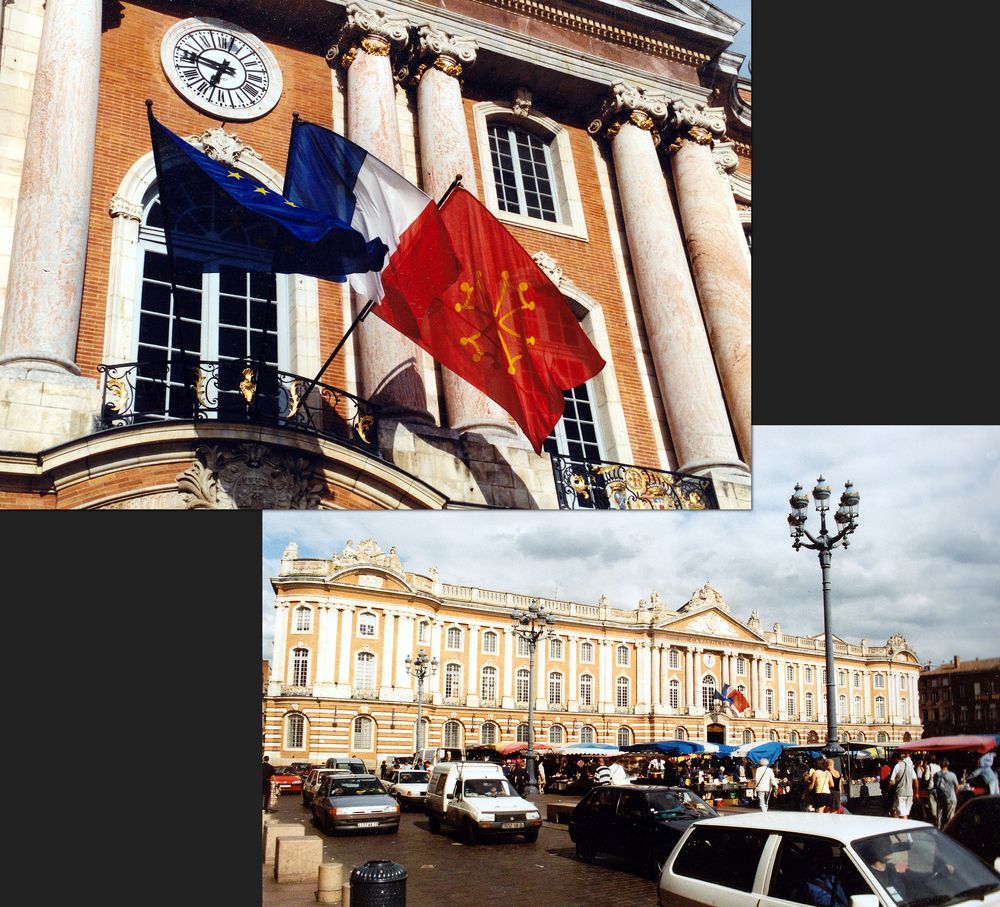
(815, 871)
(575, 435)
(722, 856)
(587, 734)
(522, 172)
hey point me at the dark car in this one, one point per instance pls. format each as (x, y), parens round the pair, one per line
(354, 803)
(301, 767)
(976, 824)
(639, 822)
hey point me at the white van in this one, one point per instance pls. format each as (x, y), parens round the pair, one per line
(433, 756)
(477, 799)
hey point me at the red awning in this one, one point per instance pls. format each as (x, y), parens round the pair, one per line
(505, 749)
(977, 743)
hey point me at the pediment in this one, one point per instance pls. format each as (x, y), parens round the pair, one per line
(371, 579)
(710, 622)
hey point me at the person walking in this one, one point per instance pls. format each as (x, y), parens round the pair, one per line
(822, 782)
(985, 774)
(268, 774)
(836, 804)
(764, 782)
(928, 781)
(901, 782)
(946, 791)
(603, 773)
(618, 775)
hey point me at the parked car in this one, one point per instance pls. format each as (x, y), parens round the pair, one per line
(351, 763)
(976, 824)
(311, 782)
(409, 787)
(287, 779)
(302, 768)
(354, 803)
(764, 859)
(637, 821)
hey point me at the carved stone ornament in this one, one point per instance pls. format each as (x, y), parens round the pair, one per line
(655, 601)
(549, 266)
(754, 621)
(122, 207)
(603, 601)
(705, 597)
(696, 123)
(374, 30)
(631, 104)
(249, 477)
(291, 552)
(367, 552)
(726, 160)
(222, 146)
(435, 42)
(711, 625)
(521, 104)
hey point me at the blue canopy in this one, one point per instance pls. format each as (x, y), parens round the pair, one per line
(769, 749)
(680, 748)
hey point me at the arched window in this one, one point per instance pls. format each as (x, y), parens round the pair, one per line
(300, 666)
(882, 737)
(453, 640)
(768, 671)
(366, 625)
(555, 688)
(522, 733)
(790, 702)
(842, 707)
(295, 726)
(769, 701)
(621, 656)
(364, 734)
(861, 737)
(880, 708)
(772, 735)
(522, 172)
(586, 690)
(879, 682)
(741, 665)
(903, 713)
(423, 631)
(523, 647)
(793, 737)
(674, 694)
(555, 648)
(857, 679)
(452, 681)
(622, 692)
(557, 734)
(748, 736)
(452, 735)
(303, 619)
(841, 678)
(488, 734)
(586, 652)
(808, 674)
(364, 673)
(587, 734)
(421, 742)
(680, 734)
(789, 672)
(489, 684)
(857, 713)
(624, 736)
(522, 691)
(707, 692)
(490, 643)
(675, 658)
(808, 705)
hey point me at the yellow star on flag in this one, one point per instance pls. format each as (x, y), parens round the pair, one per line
(235, 174)
(261, 190)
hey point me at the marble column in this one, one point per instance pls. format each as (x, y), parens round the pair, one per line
(390, 374)
(388, 634)
(509, 640)
(279, 657)
(323, 665)
(433, 682)
(404, 647)
(572, 689)
(445, 152)
(475, 688)
(689, 664)
(41, 318)
(686, 373)
(346, 634)
(541, 681)
(716, 250)
(655, 680)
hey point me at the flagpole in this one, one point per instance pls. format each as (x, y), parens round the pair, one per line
(455, 183)
(171, 261)
(360, 317)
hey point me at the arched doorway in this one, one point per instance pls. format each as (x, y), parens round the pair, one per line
(715, 733)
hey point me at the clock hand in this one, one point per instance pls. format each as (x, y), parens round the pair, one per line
(221, 69)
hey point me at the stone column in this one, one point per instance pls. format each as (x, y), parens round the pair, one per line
(541, 681)
(475, 687)
(346, 634)
(280, 641)
(689, 386)
(782, 709)
(45, 286)
(572, 687)
(403, 648)
(642, 691)
(388, 361)
(716, 250)
(756, 684)
(432, 684)
(445, 152)
(323, 665)
(655, 681)
(867, 700)
(388, 634)
(508, 668)
(605, 679)
(689, 675)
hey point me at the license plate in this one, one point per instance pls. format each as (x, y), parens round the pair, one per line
(367, 824)
(512, 825)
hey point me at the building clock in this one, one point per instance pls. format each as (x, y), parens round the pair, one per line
(221, 69)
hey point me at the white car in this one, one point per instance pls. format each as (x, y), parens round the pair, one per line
(823, 859)
(409, 787)
(311, 782)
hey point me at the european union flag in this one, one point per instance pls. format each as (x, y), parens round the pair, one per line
(218, 215)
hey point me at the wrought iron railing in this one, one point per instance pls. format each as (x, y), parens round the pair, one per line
(236, 390)
(603, 485)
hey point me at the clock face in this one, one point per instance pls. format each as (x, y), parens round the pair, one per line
(221, 69)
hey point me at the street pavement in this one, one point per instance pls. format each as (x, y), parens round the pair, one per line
(443, 872)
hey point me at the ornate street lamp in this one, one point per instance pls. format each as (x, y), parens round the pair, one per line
(531, 625)
(420, 667)
(847, 521)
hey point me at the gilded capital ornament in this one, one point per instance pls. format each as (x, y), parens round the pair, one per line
(631, 104)
(437, 43)
(373, 31)
(696, 123)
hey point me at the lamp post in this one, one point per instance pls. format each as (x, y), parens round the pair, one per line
(890, 699)
(531, 625)
(420, 667)
(847, 521)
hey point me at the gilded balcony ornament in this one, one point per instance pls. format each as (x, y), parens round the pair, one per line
(199, 387)
(119, 390)
(364, 426)
(248, 387)
(294, 398)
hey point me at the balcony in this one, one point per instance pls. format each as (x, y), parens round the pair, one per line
(603, 485)
(295, 690)
(624, 710)
(556, 707)
(588, 709)
(235, 390)
(364, 694)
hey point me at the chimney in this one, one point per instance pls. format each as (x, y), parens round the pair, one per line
(955, 661)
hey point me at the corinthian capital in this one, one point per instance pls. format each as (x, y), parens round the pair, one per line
(435, 42)
(631, 104)
(372, 30)
(695, 123)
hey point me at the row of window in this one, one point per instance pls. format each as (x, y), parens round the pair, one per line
(364, 679)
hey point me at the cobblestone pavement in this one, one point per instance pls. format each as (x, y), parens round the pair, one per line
(443, 872)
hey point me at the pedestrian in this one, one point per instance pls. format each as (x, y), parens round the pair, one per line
(821, 783)
(927, 783)
(883, 782)
(603, 773)
(617, 770)
(268, 774)
(540, 772)
(946, 790)
(763, 783)
(835, 804)
(901, 782)
(986, 774)
(383, 771)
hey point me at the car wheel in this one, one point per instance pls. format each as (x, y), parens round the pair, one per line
(434, 824)
(470, 835)
(531, 836)
(585, 851)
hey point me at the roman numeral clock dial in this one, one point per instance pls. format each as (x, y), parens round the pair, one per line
(221, 69)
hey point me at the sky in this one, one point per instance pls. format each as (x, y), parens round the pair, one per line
(741, 44)
(924, 561)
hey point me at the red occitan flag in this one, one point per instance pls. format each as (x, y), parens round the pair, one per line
(503, 326)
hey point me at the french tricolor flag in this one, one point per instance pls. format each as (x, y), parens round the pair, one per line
(734, 697)
(329, 173)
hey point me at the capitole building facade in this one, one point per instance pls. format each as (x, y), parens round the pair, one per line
(612, 140)
(346, 625)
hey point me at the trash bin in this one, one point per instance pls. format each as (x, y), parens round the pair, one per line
(379, 883)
